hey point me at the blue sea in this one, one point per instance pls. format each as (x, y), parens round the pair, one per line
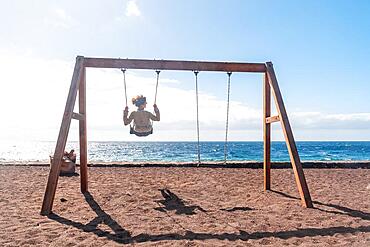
(187, 151)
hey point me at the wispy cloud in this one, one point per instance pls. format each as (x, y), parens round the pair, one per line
(58, 18)
(319, 120)
(132, 9)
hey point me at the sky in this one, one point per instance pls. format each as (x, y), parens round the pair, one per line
(319, 49)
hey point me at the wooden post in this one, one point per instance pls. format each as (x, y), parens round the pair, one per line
(288, 134)
(82, 132)
(266, 134)
(62, 139)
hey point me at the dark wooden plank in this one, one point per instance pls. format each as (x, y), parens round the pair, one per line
(266, 134)
(83, 134)
(62, 139)
(288, 134)
(173, 65)
(272, 119)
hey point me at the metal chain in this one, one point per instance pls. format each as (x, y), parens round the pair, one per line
(124, 81)
(156, 87)
(155, 96)
(227, 116)
(197, 102)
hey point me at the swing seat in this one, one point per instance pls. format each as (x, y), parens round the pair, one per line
(141, 134)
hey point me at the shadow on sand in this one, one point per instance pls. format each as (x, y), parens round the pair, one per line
(173, 202)
(120, 235)
(341, 209)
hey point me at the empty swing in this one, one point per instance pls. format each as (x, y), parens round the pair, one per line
(140, 116)
(227, 115)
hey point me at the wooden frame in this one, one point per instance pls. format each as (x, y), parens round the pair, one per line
(78, 85)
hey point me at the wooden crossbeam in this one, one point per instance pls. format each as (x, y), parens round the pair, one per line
(272, 119)
(173, 65)
(289, 139)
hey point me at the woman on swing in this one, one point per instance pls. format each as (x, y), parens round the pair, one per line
(142, 125)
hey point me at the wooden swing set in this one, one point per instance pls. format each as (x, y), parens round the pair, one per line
(78, 85)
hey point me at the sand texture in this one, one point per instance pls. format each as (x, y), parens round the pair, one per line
(154, 206)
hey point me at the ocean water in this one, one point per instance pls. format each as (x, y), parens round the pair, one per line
(187, 151)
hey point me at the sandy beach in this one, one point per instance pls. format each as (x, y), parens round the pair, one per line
(185, 206)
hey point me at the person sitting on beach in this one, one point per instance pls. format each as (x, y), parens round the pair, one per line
(141, 117)
(70, 156)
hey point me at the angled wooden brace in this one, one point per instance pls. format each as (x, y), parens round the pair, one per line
(62, 139)
(289, 139)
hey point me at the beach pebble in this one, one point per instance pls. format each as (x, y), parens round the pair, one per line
(63, 199)
(368, 187)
